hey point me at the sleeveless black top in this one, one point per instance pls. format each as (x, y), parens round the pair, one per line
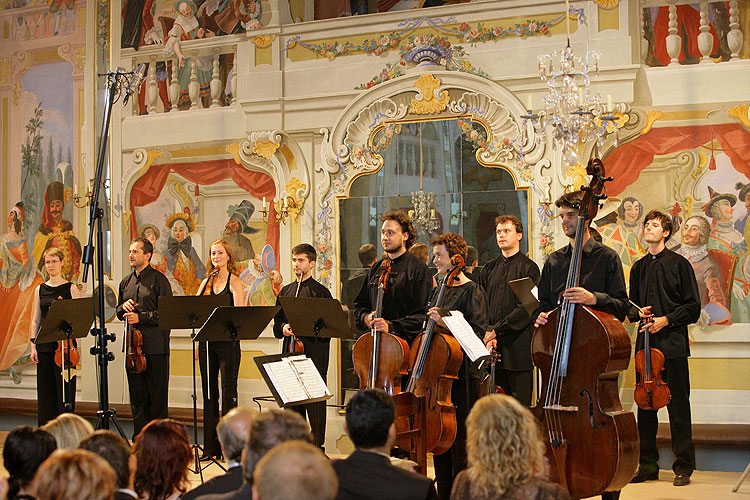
(47, 295)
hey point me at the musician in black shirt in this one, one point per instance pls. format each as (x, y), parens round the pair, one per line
(138, 303)
(303, 262)
(662, 284)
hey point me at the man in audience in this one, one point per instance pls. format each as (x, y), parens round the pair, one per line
(116, 452)
(232, 430)
(368, 473)
(268, 429)
(294, 470)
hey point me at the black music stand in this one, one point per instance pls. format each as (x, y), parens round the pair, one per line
(67, 319)
(190, 311)
(261, 361)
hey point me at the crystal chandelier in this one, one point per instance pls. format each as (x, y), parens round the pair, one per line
(423, 213)
(571, 110)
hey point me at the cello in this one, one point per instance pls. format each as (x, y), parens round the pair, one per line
(435, 361)
(651, 391)
(380, 359)
(591, 442)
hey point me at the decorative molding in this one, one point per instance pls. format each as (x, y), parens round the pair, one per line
(429, 100)
(20, 63)
(740, 112)
(607, 4)
(263, 41)
(652, 115)
(295, 189)
(266, 149)
(76, 56)
(5, 70)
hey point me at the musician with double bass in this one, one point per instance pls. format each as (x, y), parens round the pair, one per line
(49, 373)
(138, 304)
(303, 262)
(663, 286)
(461, 294)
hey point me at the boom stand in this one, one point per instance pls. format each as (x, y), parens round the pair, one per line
(188, 312)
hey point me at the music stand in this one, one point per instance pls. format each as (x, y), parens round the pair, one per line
(191, 311)
(318, 318)
(67, 319)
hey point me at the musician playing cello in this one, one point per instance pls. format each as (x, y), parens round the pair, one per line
(409, 282)
(303, 262)
(468, 297)
(601, 284)
(663, 284)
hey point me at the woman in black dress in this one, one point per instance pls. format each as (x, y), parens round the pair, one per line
(49, 387)
(223, 356)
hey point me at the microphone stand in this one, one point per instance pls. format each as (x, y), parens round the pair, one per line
(105, 414)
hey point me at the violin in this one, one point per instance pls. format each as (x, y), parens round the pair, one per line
(488, 385)
(295, 345)
(592, 444)
(68, 352)
(651, 391)
(135, 361)
(380, 359)
(435, 361)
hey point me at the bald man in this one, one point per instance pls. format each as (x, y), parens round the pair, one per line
(232, 430)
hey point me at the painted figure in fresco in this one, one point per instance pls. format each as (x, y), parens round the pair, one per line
(625, 236)
(239, 216)
(232, 16)
(725, 238)
(712, 288)
(151, 233)
(744, 196)
(54, 231)
(18, 280)
(182, 260)
(261, 280)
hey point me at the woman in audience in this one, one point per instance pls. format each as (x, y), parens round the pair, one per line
(162, 450)
(505, 454)
(74, 475)
(68, 430)
(25, 449)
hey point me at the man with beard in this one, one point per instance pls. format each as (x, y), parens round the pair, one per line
(239, 216)
(409, 284)
(54, 231)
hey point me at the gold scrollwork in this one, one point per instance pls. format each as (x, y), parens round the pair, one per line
(292, 187)
(263, 41)
(651, 116)
(577, 172)
(428, 101)
(152, 155)
(741, 113)
(234, 149)
(266, 149)
(607, 4)
(5, 70)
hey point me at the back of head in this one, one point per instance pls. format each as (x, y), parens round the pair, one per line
(502, 444)
(367, 254)
(421, 251)
(268, 429)
(295, 470)
(232, 431)
(369, 415)
(68, 429)
(162, 449)
(24, 451)
(472, 255)
(74, 475)
(114, 450)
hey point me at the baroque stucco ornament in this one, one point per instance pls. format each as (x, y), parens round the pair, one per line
(430, 100)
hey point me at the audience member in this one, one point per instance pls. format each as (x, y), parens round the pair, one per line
(294, 470)
(268, 429)
(505, 454)
(368, 473)
(232, 430)
(472, 261)
(162, 452)
(24, 451)
(116, 452)
(68, 430)
(74, 475)
(421, 251)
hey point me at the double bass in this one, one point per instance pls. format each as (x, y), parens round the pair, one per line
(651, 391)
(381, 359)
(434, 365)
(592, 443)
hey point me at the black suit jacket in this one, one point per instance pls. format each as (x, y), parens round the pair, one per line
(244, 493)
(224, 483)
(121, 495)
(364, 475)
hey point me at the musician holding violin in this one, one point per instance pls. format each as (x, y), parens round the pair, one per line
(663, 287)
(49, 355)
(138, 306)
(303, 262)
(219, 355)
(459, 294)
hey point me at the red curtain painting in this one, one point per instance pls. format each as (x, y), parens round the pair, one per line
(148, 187)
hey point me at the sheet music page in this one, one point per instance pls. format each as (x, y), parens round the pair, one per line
(462, 331)
(286, 380)
(310, 377)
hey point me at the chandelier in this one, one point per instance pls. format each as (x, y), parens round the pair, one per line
(423, 213)
(573, 113)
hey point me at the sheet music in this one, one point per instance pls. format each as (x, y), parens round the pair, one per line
(464, 333)
(296, 378)
(310, 378)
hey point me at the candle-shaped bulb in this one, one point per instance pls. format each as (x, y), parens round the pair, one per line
(580, 97)
(75, 191)
(610, 107)
(528, 103)
(265, 205)
(432, 213)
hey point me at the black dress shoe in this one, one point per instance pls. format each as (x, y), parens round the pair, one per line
(644, 474)
(681, 479)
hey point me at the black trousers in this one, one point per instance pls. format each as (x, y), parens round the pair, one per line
(464, 393)
(318, 351)
(678, 378)
(517, 384)
(148, 391)
(224, 357)
(49, 390)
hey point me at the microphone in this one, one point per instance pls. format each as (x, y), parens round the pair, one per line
(139, 75)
